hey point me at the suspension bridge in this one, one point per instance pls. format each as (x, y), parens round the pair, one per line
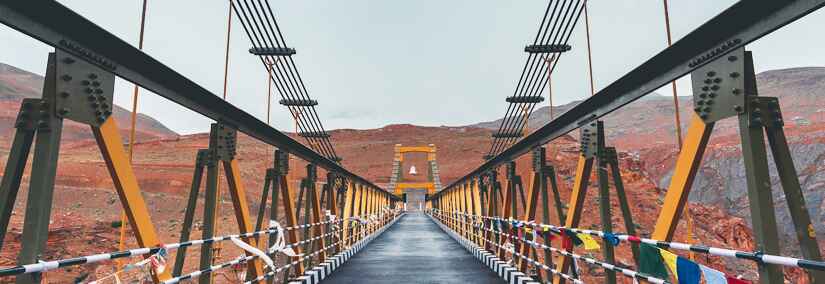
(492, 225)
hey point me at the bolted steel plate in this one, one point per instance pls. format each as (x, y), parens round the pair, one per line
(719, 87)
(222, 140)
(84, 92)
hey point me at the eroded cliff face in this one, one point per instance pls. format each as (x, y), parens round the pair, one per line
(721, 183)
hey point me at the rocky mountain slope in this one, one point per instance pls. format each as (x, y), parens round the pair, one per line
(17, 84)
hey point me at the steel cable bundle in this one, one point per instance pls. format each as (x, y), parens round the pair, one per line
(258, 21)
(556, 27)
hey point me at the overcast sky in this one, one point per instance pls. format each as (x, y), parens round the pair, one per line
(425, 62)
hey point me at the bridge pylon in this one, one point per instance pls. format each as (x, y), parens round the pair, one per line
(433, 182)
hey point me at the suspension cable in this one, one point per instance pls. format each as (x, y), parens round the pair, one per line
(217, 249)
(263, 31)
(678, 122)
(531, 82)
(673, 84)
(589, 53)
(519, 123)
(124, 220)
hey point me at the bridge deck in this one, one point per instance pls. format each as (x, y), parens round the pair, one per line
(414, 250)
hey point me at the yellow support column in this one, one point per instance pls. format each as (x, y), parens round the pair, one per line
(507, 208)
(476, 198)
(362, 210)
(288, 202)
(349, 204)
(318, 231)
(123, 176)
(686, 167)
(530, 213)
(468, 209)
(238, 193)
(583, 170)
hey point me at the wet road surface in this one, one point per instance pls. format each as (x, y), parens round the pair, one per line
(414, 250)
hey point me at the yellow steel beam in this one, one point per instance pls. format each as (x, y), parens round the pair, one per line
(316, 218)
(530, 213)
(491, 210)
(349, 203)
(476, 199)
(468, 209)
(405, 185)
(583, 170)
(238, 193)
(123, 176)
(415, 149)
(288, 202)
(371, 207)
(686, 167)
(356, 211)
(462, 207)
(362, 208)
(507, 209)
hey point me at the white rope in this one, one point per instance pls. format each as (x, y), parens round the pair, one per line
(280, 242)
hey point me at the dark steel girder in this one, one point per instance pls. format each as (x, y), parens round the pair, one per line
(62, 28)
(742, 23)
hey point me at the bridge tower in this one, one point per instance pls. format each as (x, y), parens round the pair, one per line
(416, 189)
